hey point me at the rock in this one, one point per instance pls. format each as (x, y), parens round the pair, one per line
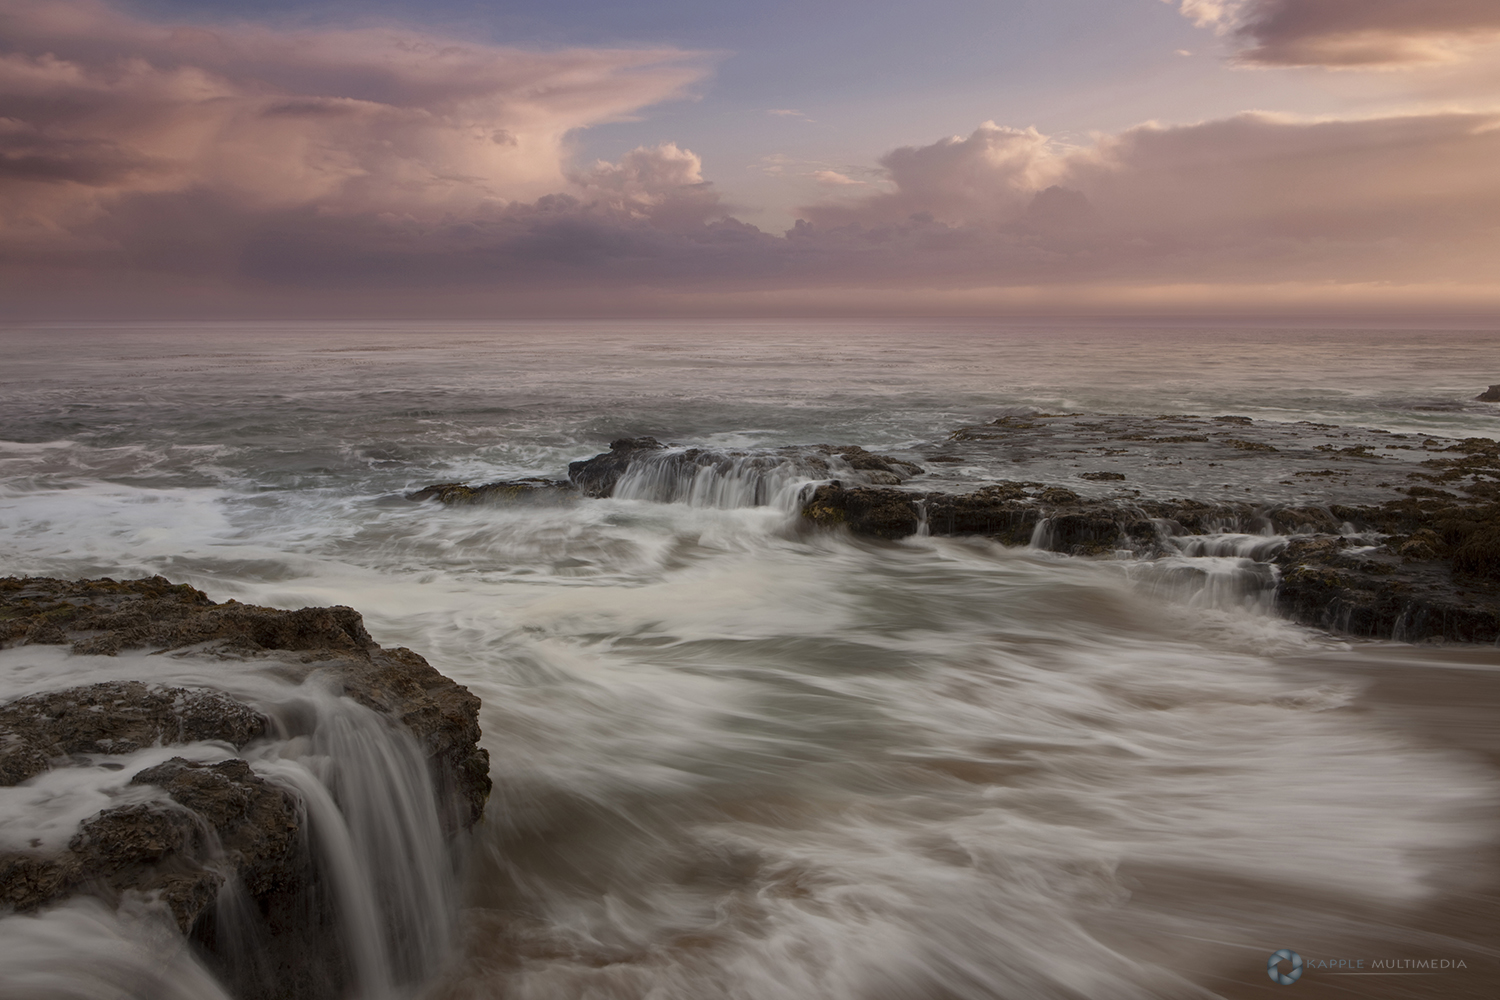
(227, 821)
(1380, 595)
(115, 717)
(529, 491)
(1433, 577)
(597, 476)
(867, 462)
(879, 513)
(213, 823)
(1490, 395)
(106, 616)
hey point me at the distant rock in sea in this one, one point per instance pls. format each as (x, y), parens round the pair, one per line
(1490, 395)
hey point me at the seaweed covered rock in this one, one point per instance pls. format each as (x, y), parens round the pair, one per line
(508, 491)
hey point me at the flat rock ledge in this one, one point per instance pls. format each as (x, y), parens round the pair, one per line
(598, 476)
(1424, 567)
(1390, 535)
(223, 810)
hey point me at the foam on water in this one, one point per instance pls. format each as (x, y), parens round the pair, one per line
(735, 757)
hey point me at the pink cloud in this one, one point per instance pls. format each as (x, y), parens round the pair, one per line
(1253, 197)
(141, 162)
(96, 107)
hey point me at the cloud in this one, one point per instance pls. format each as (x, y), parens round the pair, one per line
(990, 174)
(834, 178)
(1255, 197)
(1350, 33)
(97, 107)
(154, 165)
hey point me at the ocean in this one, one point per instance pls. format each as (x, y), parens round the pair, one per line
(738, 758)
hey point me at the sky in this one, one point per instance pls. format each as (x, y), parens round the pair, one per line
(1234, 158)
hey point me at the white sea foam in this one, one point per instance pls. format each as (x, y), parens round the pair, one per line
(735, 758)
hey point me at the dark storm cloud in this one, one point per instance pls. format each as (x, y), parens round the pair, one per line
(1350, 33)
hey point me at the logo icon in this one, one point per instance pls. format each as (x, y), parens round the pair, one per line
(1274, 971)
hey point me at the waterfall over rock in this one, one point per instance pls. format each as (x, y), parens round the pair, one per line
(281, 793)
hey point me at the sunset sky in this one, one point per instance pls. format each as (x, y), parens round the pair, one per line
(183, 158)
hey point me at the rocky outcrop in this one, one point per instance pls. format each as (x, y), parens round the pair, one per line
(1490, 395)
(597, 476)
(107, 616)
(209, 824)
(673, 468)
(115, 717)
(506, 491)
(221, 820)
(1428, 567)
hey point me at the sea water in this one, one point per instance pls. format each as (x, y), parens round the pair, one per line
(734, 757)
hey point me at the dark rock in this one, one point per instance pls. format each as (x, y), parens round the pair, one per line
(1490, 395)
(895, 470)
(109, 615)
(217, 823)
(599, 476)
(231, 822)
(1101, 477)
(879, 513)
(1431, 578)
(1380, 595)
(115, 717)
(596, 477)
(527, 491)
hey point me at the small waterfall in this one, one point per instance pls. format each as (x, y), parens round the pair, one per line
(1222, 570)
(1256, 547)
(371, 815)
(1042, 536)
(701, 478)
(923, 528)
(371, 918)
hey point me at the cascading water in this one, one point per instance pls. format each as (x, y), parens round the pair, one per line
(379, 864)
(724, 480)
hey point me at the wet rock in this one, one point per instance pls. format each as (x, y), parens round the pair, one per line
(115, 717)
(1431, 573)
(226, 822)
(106, 616)
(1381, 594)
(1490, 395)
(674, 469)
(509, 491)
(214, 827)
(878, 513)
(597, 476)
(257, 824)
(879, 470)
